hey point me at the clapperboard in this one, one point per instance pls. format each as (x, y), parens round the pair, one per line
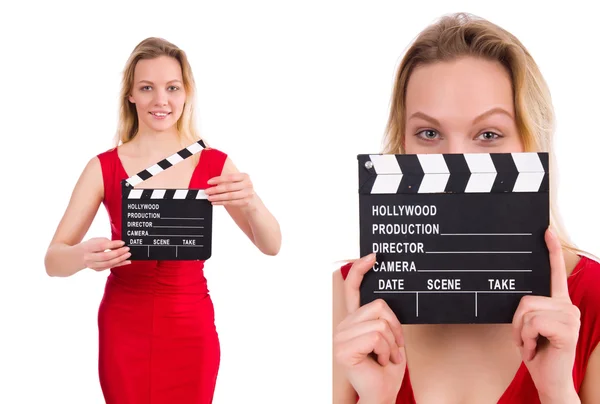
(166, 224)
(459, 237)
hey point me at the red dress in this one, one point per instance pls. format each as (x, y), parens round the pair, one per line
(158, 341)
(584, 289)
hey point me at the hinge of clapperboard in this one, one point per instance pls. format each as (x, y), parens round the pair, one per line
(128, 185)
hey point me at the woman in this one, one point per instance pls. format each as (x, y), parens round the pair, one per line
(158, 341)
(468, 86)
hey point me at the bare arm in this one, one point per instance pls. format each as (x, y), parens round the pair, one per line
(254, 219)
(590, 388)
(343, 393)
(65, 255)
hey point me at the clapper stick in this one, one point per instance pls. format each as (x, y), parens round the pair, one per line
(459, 237)
(166, 224)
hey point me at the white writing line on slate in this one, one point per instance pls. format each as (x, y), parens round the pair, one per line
(452, 291)
(485, 234)
(478, 252)
(184, 218)
(180, 227)
(474, 270)
(174, 235)
(475, 304)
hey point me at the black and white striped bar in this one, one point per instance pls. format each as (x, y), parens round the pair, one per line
(459, 237)
(166, 224)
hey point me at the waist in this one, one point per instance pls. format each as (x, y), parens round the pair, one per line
(159, 277)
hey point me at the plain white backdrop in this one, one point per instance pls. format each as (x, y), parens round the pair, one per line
(292, 91)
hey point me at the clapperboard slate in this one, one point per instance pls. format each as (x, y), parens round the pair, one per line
(166, 224)
(459, 237)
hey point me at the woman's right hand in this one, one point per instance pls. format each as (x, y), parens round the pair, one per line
(368, 343)
(100, 253)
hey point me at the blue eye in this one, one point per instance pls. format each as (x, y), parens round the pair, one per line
(427, 134)
(173, 88)
(145, 88)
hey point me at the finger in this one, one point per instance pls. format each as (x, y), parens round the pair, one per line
(558, 272)
(107, 255)
(357, 349)
(234, 177)
(122, 264)
(375, 310)
(115, 261)
(354, 279)
(230, 196)
(109, 244)
(381, 326)
(532, 303)
(551, 325)
(226, 187)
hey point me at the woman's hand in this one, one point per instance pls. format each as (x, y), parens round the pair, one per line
(232, 190)
(101, 253)
(368, 343)
(546, 330)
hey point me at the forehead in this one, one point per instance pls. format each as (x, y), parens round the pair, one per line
(466, 86)
(162, 68)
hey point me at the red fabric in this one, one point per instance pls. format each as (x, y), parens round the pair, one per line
(584, 289)
(158, 341)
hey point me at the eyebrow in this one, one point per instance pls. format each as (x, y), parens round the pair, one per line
(481, 117)
(149, 82)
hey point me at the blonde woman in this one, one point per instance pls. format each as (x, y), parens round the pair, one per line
(467, 86)
(158, 341)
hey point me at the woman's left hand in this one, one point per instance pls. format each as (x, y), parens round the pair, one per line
(546, 330)
(232, 190)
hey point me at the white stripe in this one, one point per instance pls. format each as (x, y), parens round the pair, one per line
(174, 159)
(433, 163)
(480, 182)
(180, 194)
(194, 148)
(155, 169)
(201, 194)
(528, 182)
(135, 180)
(158, 194)
(135, 194)
(386, 184)
(480, 163)
(385, 164)
(528, 162)
(434, 183)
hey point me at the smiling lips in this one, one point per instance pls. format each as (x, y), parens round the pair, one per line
(160, 114)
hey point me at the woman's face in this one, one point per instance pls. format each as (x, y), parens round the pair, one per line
(158, 93)
(462, 106)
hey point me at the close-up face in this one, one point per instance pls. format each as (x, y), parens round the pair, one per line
(462, 106)
(158, 92)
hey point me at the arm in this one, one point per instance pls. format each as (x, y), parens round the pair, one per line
(66, 255)
(590, 388)
(343, 393)
(246, 208)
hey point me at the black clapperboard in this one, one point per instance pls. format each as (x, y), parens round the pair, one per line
(459, 237)
(166, 224)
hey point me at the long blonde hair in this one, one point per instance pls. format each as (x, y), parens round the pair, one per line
(462, 34)
(151, 48)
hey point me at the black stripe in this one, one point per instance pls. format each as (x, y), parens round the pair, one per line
(507, 172)
(184, 153)
(169, 194)
(164, 164)
(410, 183)
(366, 176)
(201, 143)
(545, 185)
(409, 163)
(544, 160)
(146, 194)
(144, 174)
(459, 173)
(192, 193)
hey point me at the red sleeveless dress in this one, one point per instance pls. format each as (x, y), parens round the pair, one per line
(157, 338)
(584, 290)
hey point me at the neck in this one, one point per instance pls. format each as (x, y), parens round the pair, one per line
(149, 142)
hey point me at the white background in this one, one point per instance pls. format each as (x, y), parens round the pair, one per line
(292, 92)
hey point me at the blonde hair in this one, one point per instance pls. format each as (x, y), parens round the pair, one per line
(151, 48)
(460, 35)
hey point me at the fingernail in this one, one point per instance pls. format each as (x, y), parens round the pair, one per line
(122, 242)
(211, 181)
(129, 254)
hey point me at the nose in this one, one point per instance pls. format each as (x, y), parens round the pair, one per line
(161, 97)
(457, 143)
